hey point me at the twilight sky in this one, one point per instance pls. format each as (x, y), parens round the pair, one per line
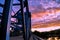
(45, 14)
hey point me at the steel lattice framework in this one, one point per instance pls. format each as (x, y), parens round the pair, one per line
(24, 19)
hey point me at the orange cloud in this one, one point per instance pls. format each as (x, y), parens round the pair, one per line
(44, 13)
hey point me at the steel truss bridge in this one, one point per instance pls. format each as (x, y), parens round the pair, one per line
(22, 18)
(22, 22)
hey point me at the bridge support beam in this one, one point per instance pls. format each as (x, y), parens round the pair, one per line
(6, 19)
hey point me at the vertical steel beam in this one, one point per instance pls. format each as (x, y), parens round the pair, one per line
(26, 19)
(6, 19)
(28, 26)
(23, 18)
